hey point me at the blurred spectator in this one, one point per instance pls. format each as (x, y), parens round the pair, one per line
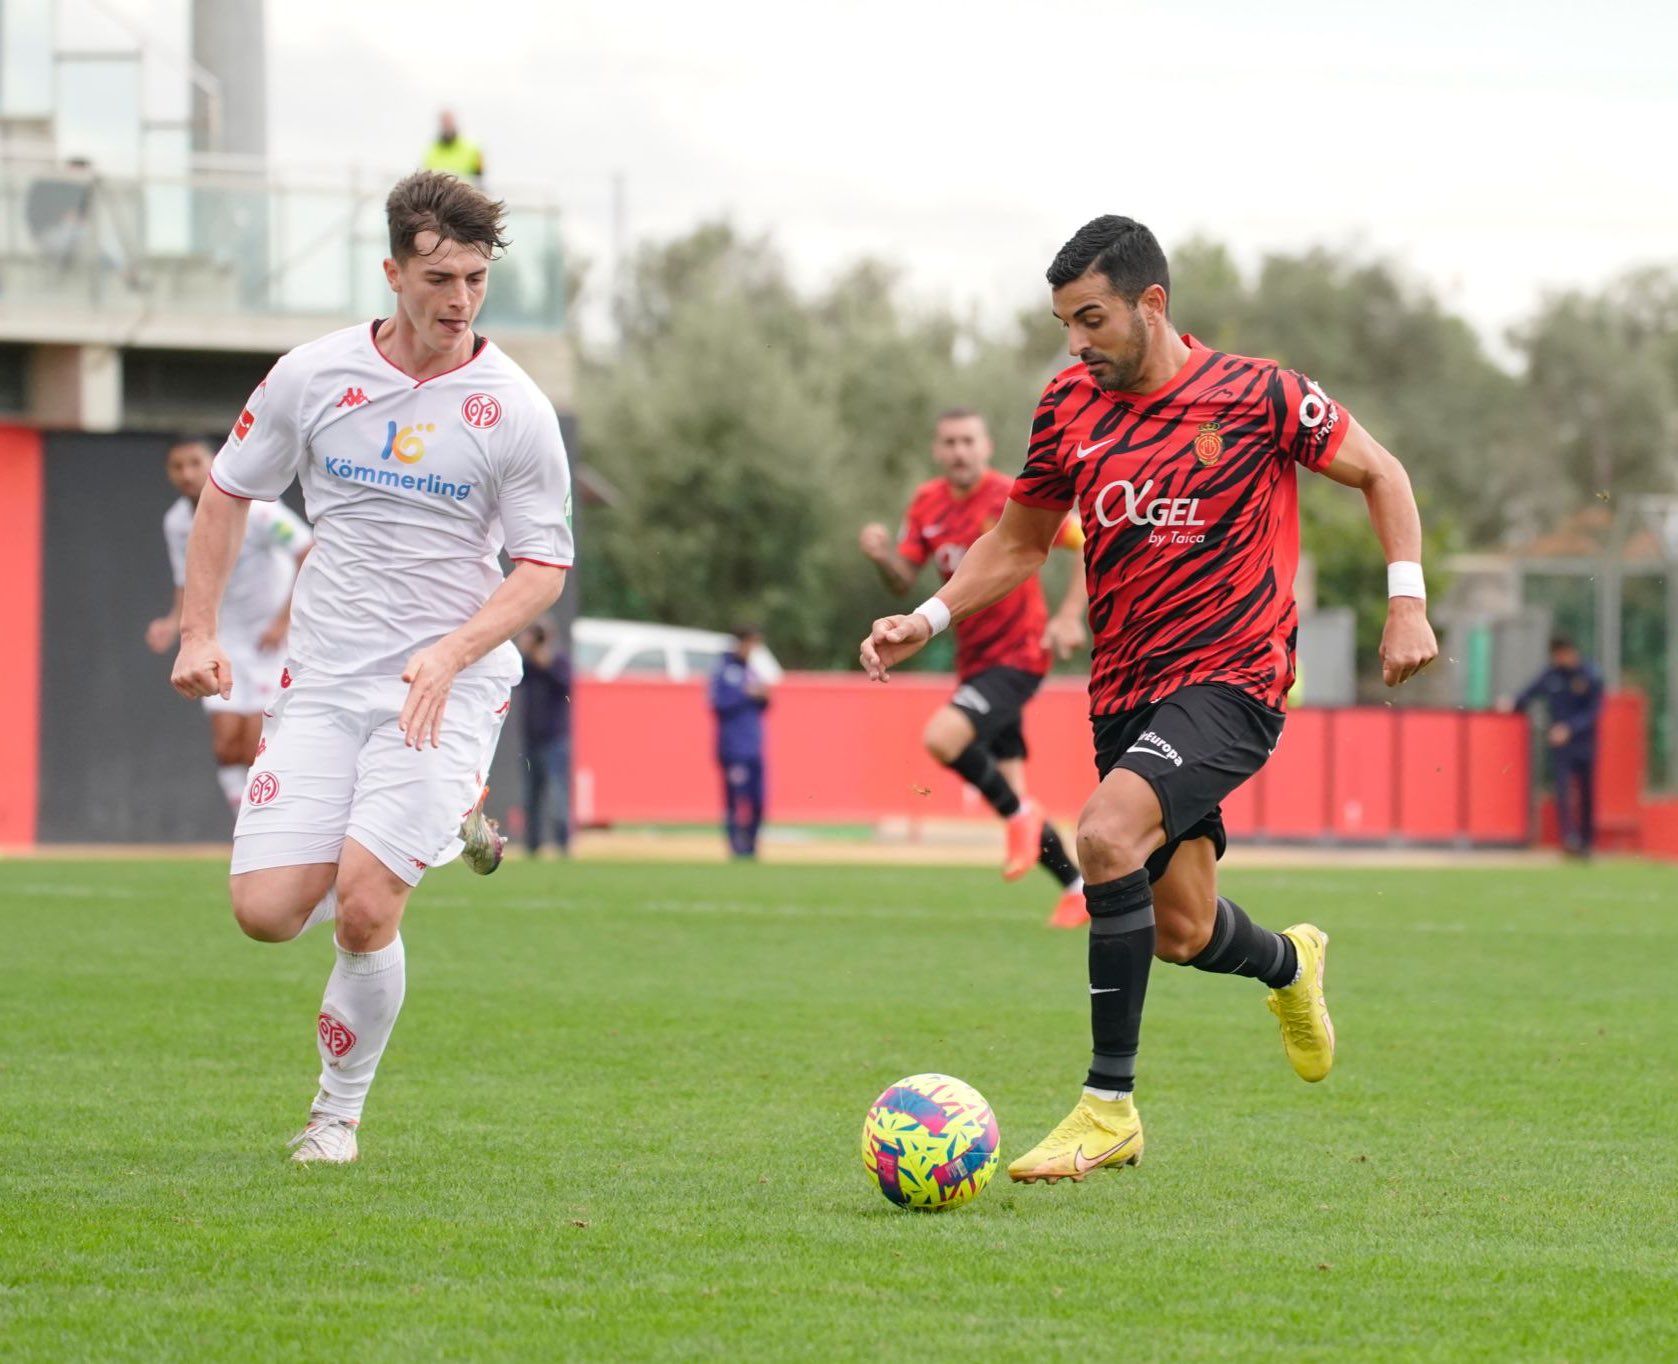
(60, 213)
(454, 154)
(546, 717)
(739, 697)
(1571, 691)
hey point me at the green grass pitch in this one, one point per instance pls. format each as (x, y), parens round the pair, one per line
(619, 1119)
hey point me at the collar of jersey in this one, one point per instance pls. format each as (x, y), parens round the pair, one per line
(479, 345)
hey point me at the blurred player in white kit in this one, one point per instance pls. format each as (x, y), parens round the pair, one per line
(422, 451)
(255, 611)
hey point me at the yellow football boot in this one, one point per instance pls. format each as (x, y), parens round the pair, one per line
(1307, 1031)
(1098, 1134)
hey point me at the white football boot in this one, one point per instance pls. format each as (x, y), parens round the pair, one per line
(326, 1140)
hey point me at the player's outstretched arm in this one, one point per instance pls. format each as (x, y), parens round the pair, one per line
(218, 530)
(1407, 643)
(529, 590)
(999, 561)
(896, 572)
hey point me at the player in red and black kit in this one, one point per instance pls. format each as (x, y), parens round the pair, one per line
(1002, 652)
(1181, 461)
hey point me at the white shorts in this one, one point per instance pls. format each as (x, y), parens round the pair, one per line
(332, 765)
(256, 679)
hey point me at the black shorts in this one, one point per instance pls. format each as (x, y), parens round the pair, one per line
(1194, 747)
(993, 700)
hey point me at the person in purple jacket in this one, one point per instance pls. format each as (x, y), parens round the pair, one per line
(739, 697)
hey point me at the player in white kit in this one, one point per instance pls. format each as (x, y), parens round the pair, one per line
(255, 612)
(422, 451)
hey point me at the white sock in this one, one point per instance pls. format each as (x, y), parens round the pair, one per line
(323, 913)
(231, 779)
(363, 997)
(1110, 1095)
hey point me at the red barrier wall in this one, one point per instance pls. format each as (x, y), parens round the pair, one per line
(20, 627)
(845, 750)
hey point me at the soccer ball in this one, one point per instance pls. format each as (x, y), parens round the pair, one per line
(930, 1142)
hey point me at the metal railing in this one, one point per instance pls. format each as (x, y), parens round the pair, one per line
(230, 242)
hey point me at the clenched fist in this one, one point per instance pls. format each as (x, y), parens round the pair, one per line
(1407, 644)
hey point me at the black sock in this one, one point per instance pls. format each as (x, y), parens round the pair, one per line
(978, 769)
(1121, 950)
(1052, 857)
(1239, 947)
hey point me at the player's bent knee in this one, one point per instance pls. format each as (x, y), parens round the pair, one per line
(260, 915)
(1111, 845)
(367, 918)
(944, 740)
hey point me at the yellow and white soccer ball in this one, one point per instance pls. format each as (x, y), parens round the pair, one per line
(930, 1143)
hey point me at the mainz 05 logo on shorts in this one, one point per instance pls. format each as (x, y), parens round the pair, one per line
(264, 787)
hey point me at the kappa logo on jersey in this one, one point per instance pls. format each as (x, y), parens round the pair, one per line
(353, 397)
(1209, 444)
(480, 410)
(1162, 512)
(407, 445)
(264, 787)
(334, 1036)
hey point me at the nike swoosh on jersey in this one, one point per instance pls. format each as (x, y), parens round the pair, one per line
(934, 529)
(1085, 451)
(1084, 1164)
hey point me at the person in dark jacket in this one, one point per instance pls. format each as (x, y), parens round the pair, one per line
(739, 697)
(1571, 690)
(546, 719)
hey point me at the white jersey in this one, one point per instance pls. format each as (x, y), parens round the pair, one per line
(262, 574)
(414, 487)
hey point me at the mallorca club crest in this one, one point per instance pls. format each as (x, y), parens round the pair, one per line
(1209, 444)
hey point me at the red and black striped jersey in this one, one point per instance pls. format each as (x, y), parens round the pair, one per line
(942, 524)
(1190, 511)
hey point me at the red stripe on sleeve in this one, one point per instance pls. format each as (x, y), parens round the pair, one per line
(229, 491)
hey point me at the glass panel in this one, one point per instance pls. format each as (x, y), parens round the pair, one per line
(26, 58)
(98, 115)
(168, 200)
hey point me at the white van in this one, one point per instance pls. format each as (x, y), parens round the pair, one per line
(608, 649)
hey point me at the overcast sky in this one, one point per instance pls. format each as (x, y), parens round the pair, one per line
(1494, 149)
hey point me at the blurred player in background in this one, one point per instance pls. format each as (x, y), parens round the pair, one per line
(422, 451)
(255, 612)
(1571, 690)
(1181, 461)
(1002, 652)
(545, 722)
(739, 697)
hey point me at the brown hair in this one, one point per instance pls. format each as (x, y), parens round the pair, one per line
(430, 201)
(957, 414)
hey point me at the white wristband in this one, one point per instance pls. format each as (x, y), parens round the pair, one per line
(936, 613)
(1404, 579)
